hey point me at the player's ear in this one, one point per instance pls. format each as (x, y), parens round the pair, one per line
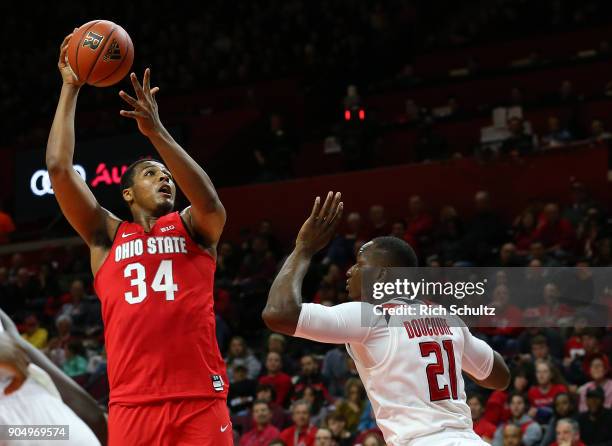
(127, 195)
(381, 274)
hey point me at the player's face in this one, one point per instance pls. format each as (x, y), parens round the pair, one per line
(353, 282)
(153, 189)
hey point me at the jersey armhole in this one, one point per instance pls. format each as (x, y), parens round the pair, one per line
(195, 238)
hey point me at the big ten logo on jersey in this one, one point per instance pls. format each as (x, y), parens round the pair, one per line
(152, 245)
(93, 40)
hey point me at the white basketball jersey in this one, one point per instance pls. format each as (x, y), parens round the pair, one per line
(418, 390)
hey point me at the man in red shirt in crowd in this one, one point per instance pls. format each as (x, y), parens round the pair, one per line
(483, 428)
(419, 223)
(568, 433)
(276, 377)
(556, 233)
(301, 433)
(263, 432)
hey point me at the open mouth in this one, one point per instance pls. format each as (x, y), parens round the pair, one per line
(165, 189)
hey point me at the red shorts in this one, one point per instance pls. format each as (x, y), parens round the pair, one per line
(183, 422)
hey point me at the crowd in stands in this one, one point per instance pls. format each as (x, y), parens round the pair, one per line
(295, 391)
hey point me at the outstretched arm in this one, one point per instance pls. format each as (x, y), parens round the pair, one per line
(206, 215)
(284, 305)
(499, 378)
(87, 217)
(75, 397)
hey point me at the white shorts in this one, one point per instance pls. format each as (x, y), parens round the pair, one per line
(449, 439)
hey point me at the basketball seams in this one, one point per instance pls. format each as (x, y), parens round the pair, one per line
(76, 56)
(108, 39)
(123, 59)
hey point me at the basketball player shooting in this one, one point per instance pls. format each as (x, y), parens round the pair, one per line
(413, 382)
(154, 278)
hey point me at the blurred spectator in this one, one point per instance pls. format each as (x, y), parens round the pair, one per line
(419, 224)
(301, 432)
(497, 409)
(598, 131)
(309, 377)
(84, 310)
(34, 333)
(523, 230)
(352, 99)
(555, 232)
(238, 350)
(76, 363)
(580, 203)
(398, 229)
(519, 143)
(577, 370)
(568, 433)
(563, 408)
(276, 152)
(485, 231)
(483, 428)
(258, 267)
(595, 423)
(337, 425)
(448, 235)
(275, 377)
(430, 144)
(556, 136)
(265, 392)
(549, 384)
(323, 437)
(599, 374)
(263, 432)
(511, 435)
(550, 312)
(508, 256)
(340, 250)
(228, 264)
(242, 388)
(373, 439)
(379, 227)
(57, 345)
(7, 226)
(352, 405)
(531, 432)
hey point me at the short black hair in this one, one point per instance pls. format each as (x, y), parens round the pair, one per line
(396, 252)
(127, 179)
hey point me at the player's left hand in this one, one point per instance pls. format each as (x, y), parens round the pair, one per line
(145, 106)
(320, 227)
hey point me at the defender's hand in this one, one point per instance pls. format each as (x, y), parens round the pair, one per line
(320, 227)
(68, 75)
(145, 107)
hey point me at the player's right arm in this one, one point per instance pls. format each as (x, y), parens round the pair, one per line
(482, 364)
(73, 395)
(87, 217)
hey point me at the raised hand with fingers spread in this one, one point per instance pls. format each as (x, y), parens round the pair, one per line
(145, 106)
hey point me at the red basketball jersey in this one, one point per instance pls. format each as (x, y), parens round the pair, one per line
(156, 291)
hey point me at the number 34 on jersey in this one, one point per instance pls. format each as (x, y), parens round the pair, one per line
(162, 281)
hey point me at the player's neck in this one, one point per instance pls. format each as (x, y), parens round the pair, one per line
(145, 220)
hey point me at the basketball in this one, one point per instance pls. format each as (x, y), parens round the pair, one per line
(100, 53)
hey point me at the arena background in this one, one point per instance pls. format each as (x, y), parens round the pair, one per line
(478, 131)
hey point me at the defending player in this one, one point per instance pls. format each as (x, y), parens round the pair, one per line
(415, 387)
(154, 277)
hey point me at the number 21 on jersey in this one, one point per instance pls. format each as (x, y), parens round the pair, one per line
(437, 393)
(162, 281)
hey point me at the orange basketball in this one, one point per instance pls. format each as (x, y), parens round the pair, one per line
(100, 53)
